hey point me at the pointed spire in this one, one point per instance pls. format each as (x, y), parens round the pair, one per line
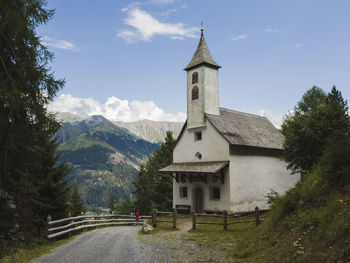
(202, 54)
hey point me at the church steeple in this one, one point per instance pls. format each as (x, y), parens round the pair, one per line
(202, 87)
(202, 55)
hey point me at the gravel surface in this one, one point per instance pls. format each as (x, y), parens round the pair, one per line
(123, 244)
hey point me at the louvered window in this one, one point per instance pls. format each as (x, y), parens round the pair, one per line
(195, 93)
(195, 77)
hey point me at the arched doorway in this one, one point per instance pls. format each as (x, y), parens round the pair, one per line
(198, 199)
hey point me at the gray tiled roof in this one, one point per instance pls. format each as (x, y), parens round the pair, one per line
(202, 55)
(240, 128)
(198, 167)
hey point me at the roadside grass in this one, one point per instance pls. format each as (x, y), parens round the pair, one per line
(320, 233)
(38, 247)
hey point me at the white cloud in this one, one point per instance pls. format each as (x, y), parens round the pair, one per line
(239, 37)
(145, 26)
(298, 45)
(173, 10)
(163, 1)
(150, 2)
(113, 109)
(271, 30)
(60, 44)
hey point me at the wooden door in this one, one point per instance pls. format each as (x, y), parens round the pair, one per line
(198, 199)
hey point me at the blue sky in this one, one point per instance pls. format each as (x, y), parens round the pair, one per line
(125, 59)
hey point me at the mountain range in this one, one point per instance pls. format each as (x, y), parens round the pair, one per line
(105, 156)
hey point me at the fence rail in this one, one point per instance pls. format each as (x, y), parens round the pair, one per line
(82, 222)
(225, 215)
(155, 220)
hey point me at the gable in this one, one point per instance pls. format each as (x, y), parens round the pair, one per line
(212, 147)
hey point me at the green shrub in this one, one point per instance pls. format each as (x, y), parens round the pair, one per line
(286, 205)
(272, 197)
(335, 161)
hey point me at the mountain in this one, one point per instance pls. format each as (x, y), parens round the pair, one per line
(152, 131)
(68, 117)
(104, 158)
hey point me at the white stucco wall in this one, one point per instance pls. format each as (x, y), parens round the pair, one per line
(213, 146)
(253, 177)
(211, 91)
(208, 203)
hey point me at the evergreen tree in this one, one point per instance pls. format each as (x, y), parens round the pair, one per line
(153, 186)
(76, 204)
(112, 205)
(126, 207)
(31, 183)
(318, 133)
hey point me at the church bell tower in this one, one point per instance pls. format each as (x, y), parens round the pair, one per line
(202, 86)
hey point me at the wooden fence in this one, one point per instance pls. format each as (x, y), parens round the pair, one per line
(155, 220)
(70, 224)
(225, 216)
(197, 216)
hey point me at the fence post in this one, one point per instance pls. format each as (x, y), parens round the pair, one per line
(47, 227)
(257, 220)
(225, 220)
(154, 217)
(194, 224)
(174, 218)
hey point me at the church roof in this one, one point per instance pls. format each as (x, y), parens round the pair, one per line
(202, 55)
(246, 129)
(198, 167)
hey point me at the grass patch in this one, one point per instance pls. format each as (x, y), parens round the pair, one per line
(38, 247)
(315, 230)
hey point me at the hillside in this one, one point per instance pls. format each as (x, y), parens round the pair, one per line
(104, 158)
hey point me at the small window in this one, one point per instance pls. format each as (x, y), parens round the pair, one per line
(198, 136)
(215, 193)
(195, 78)
(195, 93)
(183, 192)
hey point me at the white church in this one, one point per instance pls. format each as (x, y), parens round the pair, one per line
(223, 159)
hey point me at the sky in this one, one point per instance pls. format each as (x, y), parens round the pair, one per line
(125, 60)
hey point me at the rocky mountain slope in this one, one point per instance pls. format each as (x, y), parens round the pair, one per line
(104, 158)
(152, 131)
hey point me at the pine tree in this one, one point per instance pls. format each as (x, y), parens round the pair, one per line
(153, 186)
(112, 204)
(317, 135)
(76, 204)
(32, 185)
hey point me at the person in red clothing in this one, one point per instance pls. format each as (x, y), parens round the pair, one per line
(137, 215)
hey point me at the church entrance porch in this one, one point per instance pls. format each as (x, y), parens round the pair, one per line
(200, 186)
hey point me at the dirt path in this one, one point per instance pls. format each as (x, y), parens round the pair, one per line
(180, 246)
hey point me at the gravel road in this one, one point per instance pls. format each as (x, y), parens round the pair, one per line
(122, 244)
(112, 244)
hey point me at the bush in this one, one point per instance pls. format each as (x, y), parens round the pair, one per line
(272, 197)
(335, 161)
(286, 205)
